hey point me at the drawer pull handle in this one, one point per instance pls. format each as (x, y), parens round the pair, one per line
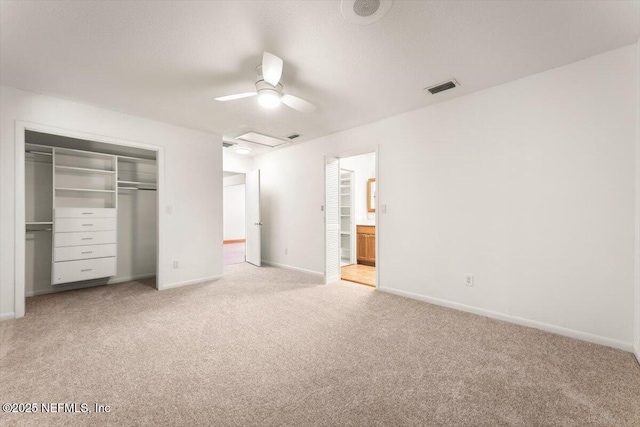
(87, 252)
(86, 269)
(87, 213)
(87, 238)
(87, 225)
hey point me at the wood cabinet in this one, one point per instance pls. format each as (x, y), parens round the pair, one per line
(366, 244)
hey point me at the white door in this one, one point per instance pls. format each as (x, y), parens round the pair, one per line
(332, 220)
(252, 217)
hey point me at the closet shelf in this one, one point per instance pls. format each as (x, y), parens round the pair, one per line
(135, 159)
(84, 170)
(84, 190)
(150, 184)
(39, 226)
(345, 233)
(82, 153)
(136, 188)
(38, 152)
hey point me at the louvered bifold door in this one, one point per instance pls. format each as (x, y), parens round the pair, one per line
(332, 219)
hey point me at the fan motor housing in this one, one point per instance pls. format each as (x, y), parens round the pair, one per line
(262, 86)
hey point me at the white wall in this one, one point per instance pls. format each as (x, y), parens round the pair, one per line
(233, 200)
(191, 234)
(363, 167)
(529, 186)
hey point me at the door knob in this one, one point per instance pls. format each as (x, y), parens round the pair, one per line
(258, 223)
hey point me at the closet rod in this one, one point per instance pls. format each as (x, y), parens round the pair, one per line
(38, 152)
(137, 189)
(42, 229)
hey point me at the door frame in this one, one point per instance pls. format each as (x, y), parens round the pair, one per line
(379, 222)
(21, 127)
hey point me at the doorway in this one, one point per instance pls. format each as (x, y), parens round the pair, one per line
(111, 188)
(351, 218)
(233, 218)
(242, 226)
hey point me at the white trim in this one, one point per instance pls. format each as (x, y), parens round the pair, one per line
(290, 267)
(636, 314)
(19, 219)
(7, 316)
(378, 215)
(20, 231)
(559, 330)
(190, 282)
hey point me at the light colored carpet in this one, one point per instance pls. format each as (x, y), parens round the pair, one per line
(271, 347)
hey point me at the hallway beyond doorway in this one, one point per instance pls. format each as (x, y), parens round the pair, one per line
(234, 252)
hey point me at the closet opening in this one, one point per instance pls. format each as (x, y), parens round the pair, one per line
(91, 214)
(351, 218)
(234, 217)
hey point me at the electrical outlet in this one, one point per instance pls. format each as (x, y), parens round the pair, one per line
(383, 209)
(176, 264)
(169, 209)
(468, 280)
(286, 251)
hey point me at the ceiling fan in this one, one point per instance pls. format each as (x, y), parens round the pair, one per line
(269, 88)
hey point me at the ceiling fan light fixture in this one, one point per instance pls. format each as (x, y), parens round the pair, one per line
(242, 150)
(269, 98)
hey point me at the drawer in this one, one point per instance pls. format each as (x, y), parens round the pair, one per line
(85, 213)
(71, 253)
(366, 229)
(83, 239)
(65, 225)
(75, 271)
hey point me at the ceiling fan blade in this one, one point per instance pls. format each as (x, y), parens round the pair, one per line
(298, 103)
(271, 68)
(236, 96)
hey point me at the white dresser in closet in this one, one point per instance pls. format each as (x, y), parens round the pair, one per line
(85, 216)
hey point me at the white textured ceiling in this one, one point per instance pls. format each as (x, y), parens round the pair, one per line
(168, 60)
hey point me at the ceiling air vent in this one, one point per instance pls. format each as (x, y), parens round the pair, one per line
(441, 87)
(365, 12)
(227, 144)
(293, 136)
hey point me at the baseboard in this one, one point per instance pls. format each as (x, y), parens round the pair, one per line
(7, 316)
(290, 267)
(636, 351)
(130, 278)
(559, 330)
(190, 282)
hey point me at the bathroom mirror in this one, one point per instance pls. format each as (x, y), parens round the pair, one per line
(371, 195)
